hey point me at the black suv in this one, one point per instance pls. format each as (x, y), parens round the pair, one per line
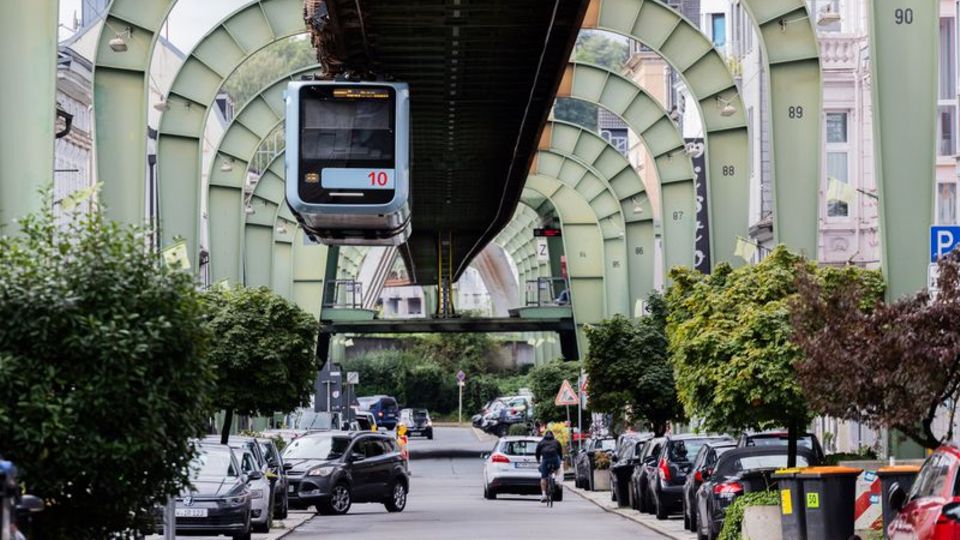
(333, 470)
(672, 465)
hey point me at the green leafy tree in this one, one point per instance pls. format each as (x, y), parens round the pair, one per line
(103, 379)
(263, 352)
(470, 352)
(273, 62)
(545, 381)
(629, 369)
(729, 337)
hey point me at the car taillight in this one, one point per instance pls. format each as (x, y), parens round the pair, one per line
(380, 413)
(664, 469)
(728, 488)
(697, 476)
(499, 458)
(513, 411)
(950, 513)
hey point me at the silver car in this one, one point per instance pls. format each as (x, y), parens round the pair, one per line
(251, 459)
(512, 468)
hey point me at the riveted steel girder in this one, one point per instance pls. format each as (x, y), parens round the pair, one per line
(667, 33)
(903, 63)
(28, 86)
(647, 118)
(792, 58)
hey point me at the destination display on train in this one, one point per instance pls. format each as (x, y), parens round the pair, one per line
(355, 178)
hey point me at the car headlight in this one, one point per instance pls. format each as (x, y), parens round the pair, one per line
(239, 499)
(320, 471)
(256, 493)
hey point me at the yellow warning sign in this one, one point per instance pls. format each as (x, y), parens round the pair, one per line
(786, 502)
(813, 500)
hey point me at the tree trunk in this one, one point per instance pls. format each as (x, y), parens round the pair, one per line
(792, 436)
(227, 424)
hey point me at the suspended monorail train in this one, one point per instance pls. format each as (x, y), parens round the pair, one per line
(348, 161)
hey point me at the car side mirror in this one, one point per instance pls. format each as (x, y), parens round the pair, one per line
(287, 466)
(254, 475)
(345, 426)
(357, 456)
(896, 497)
(649, 459)
(613, 456)
(485, 455)
(31, 504)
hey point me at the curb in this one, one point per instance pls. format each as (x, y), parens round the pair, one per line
(625, 515)
(291, 530)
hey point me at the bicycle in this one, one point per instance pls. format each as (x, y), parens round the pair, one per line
(552, 486)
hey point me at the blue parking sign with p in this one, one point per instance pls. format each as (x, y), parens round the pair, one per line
(943, 238)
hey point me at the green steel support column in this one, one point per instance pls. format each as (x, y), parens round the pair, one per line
(120, 105)
(679, 42)
(903, 60)
(309, 267)
(792, 59)
(647, 118)
(28, 87)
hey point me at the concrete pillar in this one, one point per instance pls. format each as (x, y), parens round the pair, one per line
(28, 86)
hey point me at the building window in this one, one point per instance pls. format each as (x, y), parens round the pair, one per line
(838, 159)
(946, 203)
(718, 26)
(948, 59)
(617, 138)
(946, 132)
(414, 306)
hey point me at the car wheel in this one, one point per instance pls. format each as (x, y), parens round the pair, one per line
(285, 509)
(693, 521)
(686, 520)
(430, 436)
(398, 497)
(242, 536)
(489, 494)
(338, 503)
(659, 508)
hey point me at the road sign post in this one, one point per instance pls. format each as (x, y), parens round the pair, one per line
(943, 240)
(567, 397)
(461, 377)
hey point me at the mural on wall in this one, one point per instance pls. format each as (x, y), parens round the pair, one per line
(701, 255)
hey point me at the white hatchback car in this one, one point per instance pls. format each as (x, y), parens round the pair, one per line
(512, 468)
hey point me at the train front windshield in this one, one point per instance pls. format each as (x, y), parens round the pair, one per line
(347, 145)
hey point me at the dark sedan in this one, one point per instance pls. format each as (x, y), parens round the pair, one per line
(672, 465)
(729, 481)
(418, 422)
(644, 467)
(334, 470)
(780, 438)
(584, 461)
(703, 464)
(220, 500)
(626, 456)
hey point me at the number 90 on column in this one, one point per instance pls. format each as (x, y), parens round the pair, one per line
(357, 178)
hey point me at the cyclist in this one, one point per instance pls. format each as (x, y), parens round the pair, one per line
(549, 453)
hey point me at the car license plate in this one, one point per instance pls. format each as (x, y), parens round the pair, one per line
(191, 512)
(291, 489)
(530, 465)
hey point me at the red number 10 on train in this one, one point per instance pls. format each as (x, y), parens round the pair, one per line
(378, 178)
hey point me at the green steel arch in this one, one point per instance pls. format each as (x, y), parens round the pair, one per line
(679, 42)
(231, 167)
(791, 57)
(647, 118)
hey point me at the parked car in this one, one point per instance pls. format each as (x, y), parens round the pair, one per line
(781, 438)
(364, 421)
(219, 501)
(477, 419)
(512, 468)
(675, 460)
(277, 476)
(628, 449)
(931, 509)
(418, 422)
(383, 408)
(727, 481)
(252, 460)
(644, 467)
(305, 420)
(333, 470)
(703, 463)
(506, 411)
(583, 461)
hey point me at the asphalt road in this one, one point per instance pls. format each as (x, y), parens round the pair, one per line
(446, 501)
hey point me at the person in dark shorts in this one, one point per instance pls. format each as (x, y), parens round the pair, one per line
(549, 453)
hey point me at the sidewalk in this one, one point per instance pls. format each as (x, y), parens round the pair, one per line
(671, 528)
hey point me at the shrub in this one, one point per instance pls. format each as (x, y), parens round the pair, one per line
(519, 430)
(733, 519)
(545, 381)
(601, 461)
(103, 378)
